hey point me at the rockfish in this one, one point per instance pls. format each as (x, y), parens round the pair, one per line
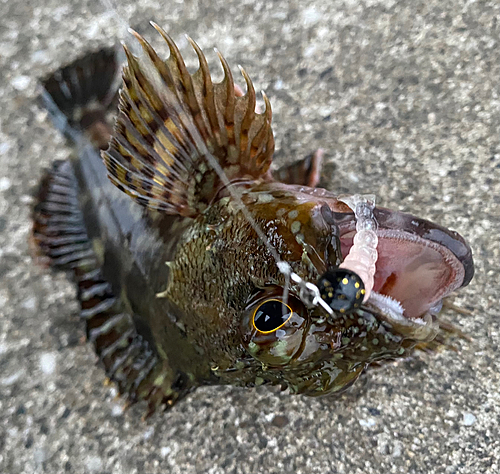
(192, 258)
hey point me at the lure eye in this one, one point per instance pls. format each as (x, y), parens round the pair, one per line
(343, 290)
(271, 315)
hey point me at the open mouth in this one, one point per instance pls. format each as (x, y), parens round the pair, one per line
(419, 263)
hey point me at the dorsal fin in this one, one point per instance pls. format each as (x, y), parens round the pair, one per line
(173, 126)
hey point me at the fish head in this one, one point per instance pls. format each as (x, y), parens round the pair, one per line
(300, 346)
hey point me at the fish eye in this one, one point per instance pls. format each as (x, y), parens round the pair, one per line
(270, 315)
(343, 290)
(273, 330)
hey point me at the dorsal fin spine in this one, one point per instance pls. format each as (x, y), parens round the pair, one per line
(177, 133)
(208, 93)
(249, 114)
(174, 165)
(228, 81)
(187, 84)
(141, 83)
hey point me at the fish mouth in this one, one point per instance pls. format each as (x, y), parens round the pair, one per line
(419, 262)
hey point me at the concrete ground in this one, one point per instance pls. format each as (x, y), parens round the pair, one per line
(404, 96)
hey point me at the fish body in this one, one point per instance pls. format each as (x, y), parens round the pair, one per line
(176, 254)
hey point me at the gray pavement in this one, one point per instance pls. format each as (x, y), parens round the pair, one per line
(404, 96)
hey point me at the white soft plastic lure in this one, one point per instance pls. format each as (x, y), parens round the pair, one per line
(362, 257)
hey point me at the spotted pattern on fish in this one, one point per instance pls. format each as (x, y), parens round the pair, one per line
(168, 291)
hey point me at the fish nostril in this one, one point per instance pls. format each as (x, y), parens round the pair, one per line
(329, 218)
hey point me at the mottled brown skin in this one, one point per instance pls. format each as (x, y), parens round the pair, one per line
(187, 270)
(221, 264)
(194, 310)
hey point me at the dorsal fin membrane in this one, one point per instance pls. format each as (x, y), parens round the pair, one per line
(171, 124)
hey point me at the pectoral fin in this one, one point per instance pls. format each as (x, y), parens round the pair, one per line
(128, 356)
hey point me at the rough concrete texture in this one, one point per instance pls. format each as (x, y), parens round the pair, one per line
(403, 95)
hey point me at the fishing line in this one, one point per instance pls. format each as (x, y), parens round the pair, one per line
(309, 293)
(201, 147)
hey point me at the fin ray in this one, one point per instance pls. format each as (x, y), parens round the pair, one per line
(80, 95)
(60, 236)
(172, 123)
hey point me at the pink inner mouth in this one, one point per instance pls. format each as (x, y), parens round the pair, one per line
(415, 271)
(419, 262)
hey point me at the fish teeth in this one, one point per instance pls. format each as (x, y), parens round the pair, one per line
(388, 305)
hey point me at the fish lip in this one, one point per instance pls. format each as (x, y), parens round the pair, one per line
(400, 221)
(436, 233)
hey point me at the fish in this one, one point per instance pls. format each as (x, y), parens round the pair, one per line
(193, 257)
